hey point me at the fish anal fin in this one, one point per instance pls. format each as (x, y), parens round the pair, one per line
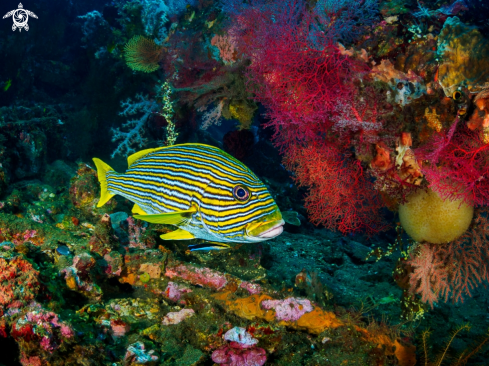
(176, 218)
(132, 158)
(138, 210)
(179, 234)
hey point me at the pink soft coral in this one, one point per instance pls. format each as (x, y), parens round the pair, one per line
(452, 270)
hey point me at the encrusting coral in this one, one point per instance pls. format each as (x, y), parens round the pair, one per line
(203, 300)
(464, 54)
(312, 320)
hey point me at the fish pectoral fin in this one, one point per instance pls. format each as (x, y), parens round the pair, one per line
(291, 217)
(208, 246)
(176, 218)
(138, 210)
(179, 234)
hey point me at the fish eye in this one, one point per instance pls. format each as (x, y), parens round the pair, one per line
(241, 193)
(457, 96)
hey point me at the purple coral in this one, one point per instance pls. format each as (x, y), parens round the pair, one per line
(290, 309)
(253, 288)
(204, 277)
(135, 232)
(241, 351)
(42, 326)
(174, 291)
(229, 356)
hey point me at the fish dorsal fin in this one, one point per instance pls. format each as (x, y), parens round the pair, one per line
(176, 218)
(179, 234)
(132, 158)
(138, 210)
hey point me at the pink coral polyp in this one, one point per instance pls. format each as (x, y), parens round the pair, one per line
(290, 309)
(229, 356)
(198, 276)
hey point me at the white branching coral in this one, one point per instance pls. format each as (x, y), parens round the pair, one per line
(134, 136)
(359, 118)
(93, 23)
(212, 116)
(155, 15)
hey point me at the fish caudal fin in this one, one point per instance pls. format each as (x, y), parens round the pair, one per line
(102, 169)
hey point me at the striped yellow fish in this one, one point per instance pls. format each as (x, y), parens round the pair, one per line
(202, 190)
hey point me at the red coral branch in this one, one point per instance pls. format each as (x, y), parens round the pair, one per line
(458, 165)
(340, 197)
(299, 82)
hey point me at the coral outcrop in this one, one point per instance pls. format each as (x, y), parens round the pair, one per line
(464, 55)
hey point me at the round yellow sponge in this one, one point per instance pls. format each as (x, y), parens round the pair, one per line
(427, 217)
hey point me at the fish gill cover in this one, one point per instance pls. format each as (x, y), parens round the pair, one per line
(300, 182)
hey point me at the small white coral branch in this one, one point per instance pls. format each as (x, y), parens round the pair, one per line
(212, 117)
(134, 136)
(350, 118)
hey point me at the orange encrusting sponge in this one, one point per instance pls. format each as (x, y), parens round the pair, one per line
(315, 322)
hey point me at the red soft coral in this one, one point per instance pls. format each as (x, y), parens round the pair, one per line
(340, 196)
(297, 76)
(458, 165)
(19, 282)
(301, 77)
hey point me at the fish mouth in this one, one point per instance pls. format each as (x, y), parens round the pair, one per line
(274, 231)
(267, 230)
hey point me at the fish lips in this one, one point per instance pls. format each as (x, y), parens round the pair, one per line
(268, 230)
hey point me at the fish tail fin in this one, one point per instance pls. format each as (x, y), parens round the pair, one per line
(102, 170)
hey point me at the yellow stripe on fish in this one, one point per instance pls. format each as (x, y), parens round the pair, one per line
(202, 190)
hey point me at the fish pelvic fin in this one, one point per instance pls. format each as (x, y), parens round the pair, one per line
(102, 169)
(138, 210)
(179, 234)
